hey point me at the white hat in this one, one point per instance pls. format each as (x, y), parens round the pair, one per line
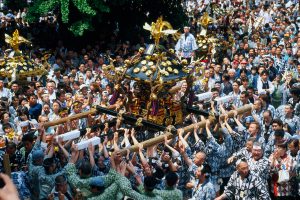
(24, 124)
(83, 86)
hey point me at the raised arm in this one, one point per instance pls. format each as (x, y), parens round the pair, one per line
(65, 152)
(91, 149)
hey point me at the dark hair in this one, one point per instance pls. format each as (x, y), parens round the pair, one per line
(60, 179)
(289, 128)
(250, 88)
(159, 173)
(59, 93)
(11, 145)
(278, 121)
(279, 133)
(282, 145)
(264, 97)
(206, 170)
(245, 93)
(214, 90)
(31, 95)
(48, 162)
(236, 81)
(2, 115)
(28, 138)
(85, 168)
(23, 110)
(252, 139)
(269, 112)
(226, 77)
(295, 143)
(245, 79)
(149, 183)
(171, 179)
(244, 71)
(264, 72)
(6, 125)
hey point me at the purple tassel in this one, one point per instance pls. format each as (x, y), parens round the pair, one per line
(114, 98)
(154, 110)
(191, 98)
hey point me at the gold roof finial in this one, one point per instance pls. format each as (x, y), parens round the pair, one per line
(160, 29)
(205, 20)
(15, 40)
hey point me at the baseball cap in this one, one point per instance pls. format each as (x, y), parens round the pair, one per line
(37, 154)
(97, 182)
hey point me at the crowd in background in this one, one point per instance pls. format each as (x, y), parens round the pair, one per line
(248, 156)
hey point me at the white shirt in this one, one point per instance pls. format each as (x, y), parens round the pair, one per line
(260, 86)
(5, 93)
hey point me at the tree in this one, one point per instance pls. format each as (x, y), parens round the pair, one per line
(15, 5)
(77, 14)
(87, 15)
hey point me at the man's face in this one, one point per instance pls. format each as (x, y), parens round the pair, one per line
(288, 110)
(1, 83)
(199, 159)
(264, 77)
(50, 87)
(243, 169)
(10, 150)
(249, 146)
(252, 129)
(217, 68)
(32, 100)
(68, 63)
(62, 97)
(57, 74)
(278, 51)
(211, 72)
(256, 153)
(15, 87)
(243, 98)
(267, 117)
(231, 74)
(186, 30)
(250, 92)
(276, 127)
(66, 79)
(63, 187)
(235, 86)
(28, 146)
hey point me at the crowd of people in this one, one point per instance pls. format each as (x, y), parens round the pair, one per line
(253, 155)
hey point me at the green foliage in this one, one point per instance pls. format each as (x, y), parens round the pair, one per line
(79, 27)
(83, 15)
(86, 9)
(64, 7)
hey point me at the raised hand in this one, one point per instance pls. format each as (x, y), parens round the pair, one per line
(91, 148)
(105, 141)
(133, 132)
(141, 146)
(182, 149)
(207, 123)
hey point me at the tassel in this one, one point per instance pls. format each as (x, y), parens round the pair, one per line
(154, 110)
(114, 98)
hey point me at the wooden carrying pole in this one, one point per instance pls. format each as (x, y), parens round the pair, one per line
(70, 118)
(6, 164)
(161, 138)
(91, 112)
